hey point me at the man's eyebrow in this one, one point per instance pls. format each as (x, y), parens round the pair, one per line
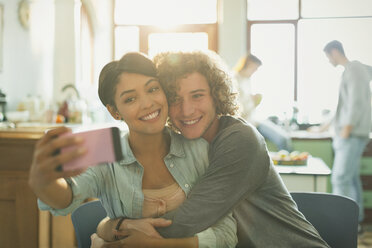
(129, 91)
(198, 90)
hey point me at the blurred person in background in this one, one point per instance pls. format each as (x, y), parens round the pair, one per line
(352, 124)
(248, 102)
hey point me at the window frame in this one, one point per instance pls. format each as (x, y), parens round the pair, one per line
(145, 30)
(295, 22)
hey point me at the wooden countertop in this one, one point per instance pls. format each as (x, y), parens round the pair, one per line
(37, 130)
(22, 133)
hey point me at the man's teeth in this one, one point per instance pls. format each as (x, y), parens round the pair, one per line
(150, 116)
(190, 122)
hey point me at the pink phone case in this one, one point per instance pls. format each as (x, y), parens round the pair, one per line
(103, 146)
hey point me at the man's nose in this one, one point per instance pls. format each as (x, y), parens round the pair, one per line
(187, 108)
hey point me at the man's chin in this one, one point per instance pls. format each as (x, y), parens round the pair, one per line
(190, 136)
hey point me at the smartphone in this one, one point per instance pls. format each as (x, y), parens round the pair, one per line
(103, 146)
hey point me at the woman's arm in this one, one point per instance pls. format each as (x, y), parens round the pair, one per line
(46, 178)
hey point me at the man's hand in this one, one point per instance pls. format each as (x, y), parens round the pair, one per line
(134, 238)
(345, 132)
(146, 225)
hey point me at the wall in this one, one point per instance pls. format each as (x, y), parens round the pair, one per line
(27, 53)
(40, 60)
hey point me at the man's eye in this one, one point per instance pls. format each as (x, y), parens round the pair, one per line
(175, 101)
(197, 96)
(129, 100)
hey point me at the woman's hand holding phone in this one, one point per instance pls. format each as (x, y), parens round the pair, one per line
(46, 169)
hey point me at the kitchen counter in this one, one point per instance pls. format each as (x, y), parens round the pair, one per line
(32, 130)
(311, 177)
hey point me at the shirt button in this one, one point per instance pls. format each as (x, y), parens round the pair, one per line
(171, 165)
(186, 185)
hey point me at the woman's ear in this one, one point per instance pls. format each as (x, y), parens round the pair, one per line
(113, 111)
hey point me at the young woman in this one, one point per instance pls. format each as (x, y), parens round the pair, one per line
(158, 169)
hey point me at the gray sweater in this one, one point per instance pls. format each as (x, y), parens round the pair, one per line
(241, 177)
(354, 101)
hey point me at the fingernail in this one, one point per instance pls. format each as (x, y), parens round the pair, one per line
(78, 139)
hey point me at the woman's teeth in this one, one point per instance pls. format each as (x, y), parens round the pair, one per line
(150, 116)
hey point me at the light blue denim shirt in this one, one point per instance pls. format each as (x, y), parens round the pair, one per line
(119, 186)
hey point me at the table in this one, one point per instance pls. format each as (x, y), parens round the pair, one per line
(306, 178)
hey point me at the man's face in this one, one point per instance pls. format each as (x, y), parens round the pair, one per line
(193, 112)
(332, 58)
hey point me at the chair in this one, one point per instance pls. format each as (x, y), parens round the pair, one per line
(334, 216)
(85, 220)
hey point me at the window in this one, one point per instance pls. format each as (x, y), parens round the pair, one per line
(165, 25)
(86, 55)
(275, 78)
(291, 49)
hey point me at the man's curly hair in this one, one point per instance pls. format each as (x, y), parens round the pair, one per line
(172, 66)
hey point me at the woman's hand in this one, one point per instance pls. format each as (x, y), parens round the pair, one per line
(135, 239)
(146, 225)
(46, 172)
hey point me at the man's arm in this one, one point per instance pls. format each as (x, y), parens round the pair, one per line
(239, 164)
(221, 235)
(356, 98)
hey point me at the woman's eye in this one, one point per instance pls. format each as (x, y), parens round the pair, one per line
(152, 89)
(129, 99)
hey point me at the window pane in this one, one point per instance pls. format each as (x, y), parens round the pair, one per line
(318, 80)
(274, 79)
(161, 42)
(165, 12)
(272, 9)
(336, 8)
(126, 40)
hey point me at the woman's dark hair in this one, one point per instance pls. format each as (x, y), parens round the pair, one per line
(133, 62)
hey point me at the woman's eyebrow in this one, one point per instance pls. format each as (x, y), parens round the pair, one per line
(126, 92)
(147, 83)
(150, 80)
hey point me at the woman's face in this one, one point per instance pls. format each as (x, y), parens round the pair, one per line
(141, 102)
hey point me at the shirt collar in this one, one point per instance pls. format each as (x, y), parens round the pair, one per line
(176, 147)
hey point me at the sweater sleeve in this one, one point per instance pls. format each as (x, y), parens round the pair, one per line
(356, 95)
(239, 164)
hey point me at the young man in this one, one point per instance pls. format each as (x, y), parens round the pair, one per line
(240, 176)
(352, 123)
